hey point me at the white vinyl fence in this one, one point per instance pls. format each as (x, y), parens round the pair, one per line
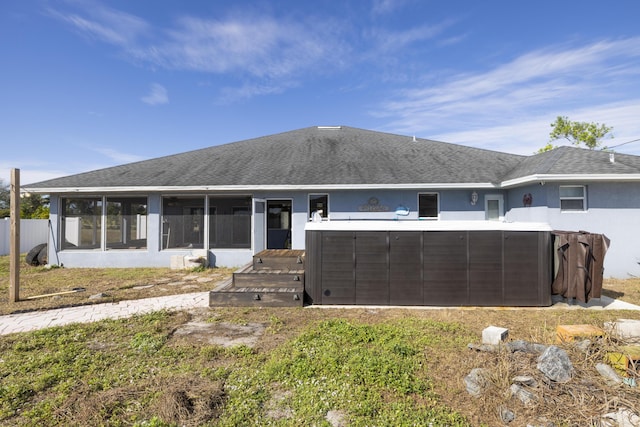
(32, 233)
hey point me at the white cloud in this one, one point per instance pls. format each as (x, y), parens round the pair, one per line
(249, 90)
(390, 41)
(108, 25)
(259, 46)
(383, 7)
(244, 45)
(30, 173)
(157, 95)
(528, 135)
(525, 94)
(117, 156)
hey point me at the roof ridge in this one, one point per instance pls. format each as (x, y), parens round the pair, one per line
(552, 159)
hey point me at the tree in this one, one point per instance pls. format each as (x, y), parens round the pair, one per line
(5, 199)
(589, 134)
(32, 206)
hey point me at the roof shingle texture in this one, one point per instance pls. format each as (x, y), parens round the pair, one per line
(575, 161)
(309, 156)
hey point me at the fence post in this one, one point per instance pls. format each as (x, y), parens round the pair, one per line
(14, 241)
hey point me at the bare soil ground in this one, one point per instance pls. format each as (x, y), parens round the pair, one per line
(42, 288)
(255, 327)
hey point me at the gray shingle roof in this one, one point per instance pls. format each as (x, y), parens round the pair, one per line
(575, 161)
(306, 157)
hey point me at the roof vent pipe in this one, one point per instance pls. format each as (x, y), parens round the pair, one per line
(612, 157)
(414, 138)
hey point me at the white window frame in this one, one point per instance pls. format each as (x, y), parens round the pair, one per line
(500, 199)
(432, 218)
(583, 199)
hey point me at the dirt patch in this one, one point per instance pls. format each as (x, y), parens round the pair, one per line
(42, 288)
(189, 402)
(224, 334)
(183, 401)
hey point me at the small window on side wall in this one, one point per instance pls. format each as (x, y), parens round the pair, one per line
(428, 205)
(318, 206)
(573, 198)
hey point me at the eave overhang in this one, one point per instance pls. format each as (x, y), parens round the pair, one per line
(252, 188)
(542, 178)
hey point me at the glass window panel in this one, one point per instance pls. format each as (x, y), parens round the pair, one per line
(126, 223)
(493, 209)
(572, 205)
(81, 224)
(428, 205)
(572, 198)
(319, 203)
(571, 191)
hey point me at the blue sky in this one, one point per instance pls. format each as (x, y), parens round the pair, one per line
(90, 84)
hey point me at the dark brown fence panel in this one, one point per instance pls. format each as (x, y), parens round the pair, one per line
(485, 268)
(449, 268)
(338, 272)
(445, 268)
(372, 267)
(521, 276)
(405, 268)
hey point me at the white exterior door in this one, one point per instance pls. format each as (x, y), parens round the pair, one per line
(494, 207)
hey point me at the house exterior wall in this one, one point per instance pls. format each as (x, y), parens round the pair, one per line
(343, 205)
(613, 209)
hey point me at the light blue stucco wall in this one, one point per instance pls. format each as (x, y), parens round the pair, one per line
(613, 209)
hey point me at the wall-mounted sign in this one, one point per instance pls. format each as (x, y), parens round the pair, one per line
(373, 205)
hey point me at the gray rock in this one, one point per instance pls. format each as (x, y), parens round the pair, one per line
(554, 363)
(584, 345)
(476, 381)
(489, 348)
(98, 296)
(507, 415)
(525, 396)
(526, 347)
(610, 375)
(623, 418)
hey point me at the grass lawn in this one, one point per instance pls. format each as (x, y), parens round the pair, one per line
(289, 367)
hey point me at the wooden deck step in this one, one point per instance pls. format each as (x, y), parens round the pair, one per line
(261, 288)
(279, 259)
(268, 278)
(232, 296)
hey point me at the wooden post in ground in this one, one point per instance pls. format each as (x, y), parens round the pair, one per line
(14, 241)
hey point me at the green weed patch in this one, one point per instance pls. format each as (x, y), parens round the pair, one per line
(373, 374)
(130, 372)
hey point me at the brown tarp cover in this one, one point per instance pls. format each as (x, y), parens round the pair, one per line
(579, 264)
